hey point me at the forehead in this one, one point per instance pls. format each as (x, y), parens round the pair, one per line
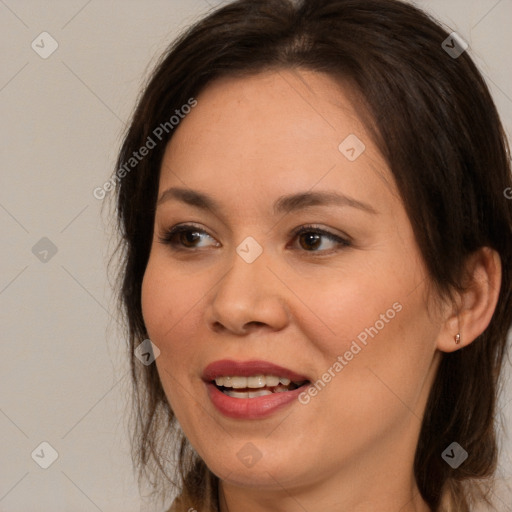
(279, 130)
(269, 111)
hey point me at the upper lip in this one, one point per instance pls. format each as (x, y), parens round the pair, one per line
(227, 367)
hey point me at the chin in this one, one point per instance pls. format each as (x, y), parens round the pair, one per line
(244, 465)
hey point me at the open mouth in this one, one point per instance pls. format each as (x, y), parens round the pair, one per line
(256, 385)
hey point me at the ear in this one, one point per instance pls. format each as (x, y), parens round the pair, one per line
(472, 311)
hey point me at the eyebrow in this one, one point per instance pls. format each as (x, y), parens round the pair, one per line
(284, 204)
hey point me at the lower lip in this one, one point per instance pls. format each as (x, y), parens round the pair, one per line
(251, 408)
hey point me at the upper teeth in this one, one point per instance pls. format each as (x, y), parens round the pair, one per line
(256, 381)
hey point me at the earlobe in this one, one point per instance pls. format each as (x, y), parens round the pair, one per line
(471, 314)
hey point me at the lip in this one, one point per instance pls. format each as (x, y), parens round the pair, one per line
(227, 367)
(250, 408)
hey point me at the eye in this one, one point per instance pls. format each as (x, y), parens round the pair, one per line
(313, 239)
(186, 236)
(310, 238)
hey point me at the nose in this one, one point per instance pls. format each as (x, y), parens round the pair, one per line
(248, 297)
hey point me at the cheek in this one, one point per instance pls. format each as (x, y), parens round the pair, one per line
(348, 306)
(381, 357)
(168, 297)
(173, 300)
(168, 301)
(164, 309)
(375, 318)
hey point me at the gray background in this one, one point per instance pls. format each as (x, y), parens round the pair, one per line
(63, 371)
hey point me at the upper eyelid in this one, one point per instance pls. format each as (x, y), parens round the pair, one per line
(184, 227)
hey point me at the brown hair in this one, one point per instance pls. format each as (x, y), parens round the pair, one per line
(433, 119)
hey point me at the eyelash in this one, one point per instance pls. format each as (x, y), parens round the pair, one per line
(169, 235)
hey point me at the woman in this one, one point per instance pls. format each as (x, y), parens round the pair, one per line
(317, 243)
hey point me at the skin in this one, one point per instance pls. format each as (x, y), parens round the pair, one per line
(299, 305)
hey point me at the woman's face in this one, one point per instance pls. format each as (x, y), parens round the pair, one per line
(341, 304)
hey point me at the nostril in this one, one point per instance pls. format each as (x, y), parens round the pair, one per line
(255, 324)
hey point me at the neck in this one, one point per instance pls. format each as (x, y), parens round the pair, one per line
(380, 478)
(333, 496)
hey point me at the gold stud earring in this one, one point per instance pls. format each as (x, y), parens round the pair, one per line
(457, 338)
